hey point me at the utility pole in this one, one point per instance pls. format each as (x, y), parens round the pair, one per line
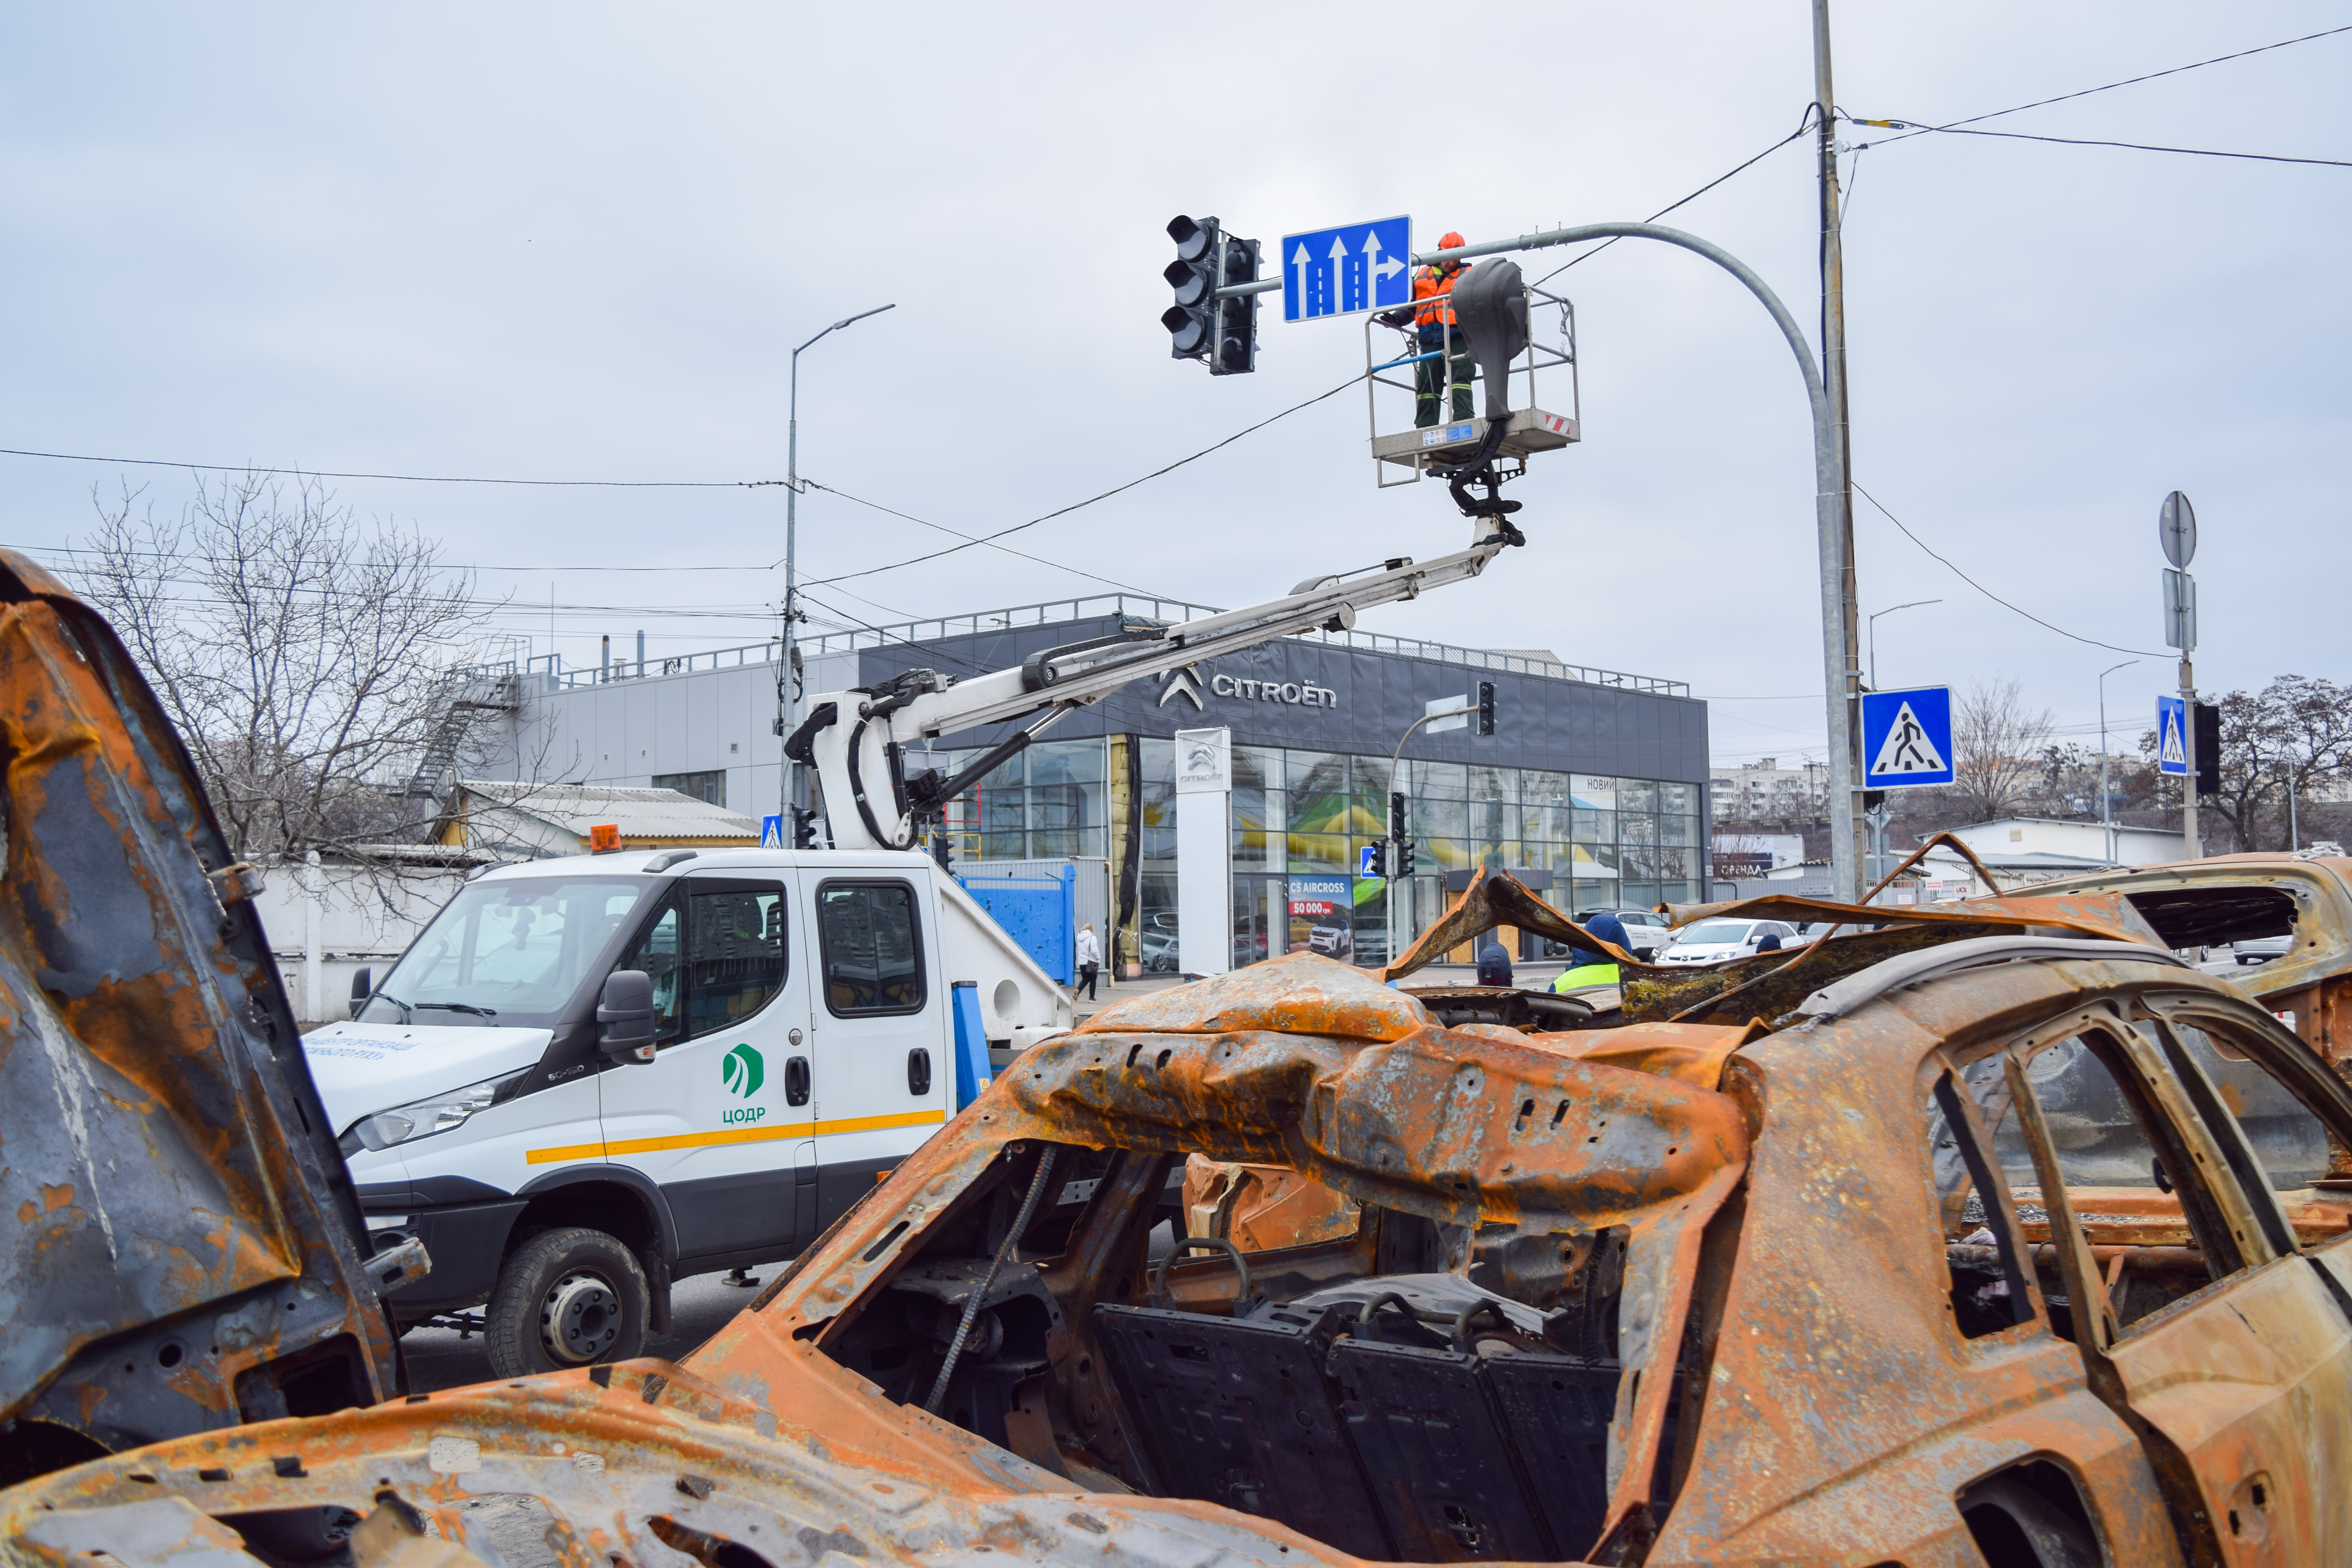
(2106, 798)
(1840, 631)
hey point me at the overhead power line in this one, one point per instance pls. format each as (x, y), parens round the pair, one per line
(406, 478)
(1074, 505)
(2134, 146)
(1803, 125)
(2109, 87)
(1988, 593)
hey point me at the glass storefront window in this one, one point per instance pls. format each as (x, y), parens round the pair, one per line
(1259, 767)
(1636, 795)
(1679, 798)
(1436, 781)
(1595, 792)
(1321, 852)
(1493, 783)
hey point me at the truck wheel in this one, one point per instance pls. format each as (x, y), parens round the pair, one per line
(564, 1298)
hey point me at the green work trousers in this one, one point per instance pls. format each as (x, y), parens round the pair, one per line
(1430, 378)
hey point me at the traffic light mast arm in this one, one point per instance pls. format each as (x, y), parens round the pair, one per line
(856, 739)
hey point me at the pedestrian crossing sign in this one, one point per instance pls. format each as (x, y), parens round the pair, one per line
(1907, 738)
(2171, 743)
(772, 831)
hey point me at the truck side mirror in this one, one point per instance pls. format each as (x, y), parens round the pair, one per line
(362, 987)
(625, 1015)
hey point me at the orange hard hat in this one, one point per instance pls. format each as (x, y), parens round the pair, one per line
(1451, 241)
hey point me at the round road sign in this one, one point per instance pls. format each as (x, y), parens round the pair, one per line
(2176, 530)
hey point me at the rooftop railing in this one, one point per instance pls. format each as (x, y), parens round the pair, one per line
(1140, 607)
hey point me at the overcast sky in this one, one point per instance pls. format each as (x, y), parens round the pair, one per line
(579, 242)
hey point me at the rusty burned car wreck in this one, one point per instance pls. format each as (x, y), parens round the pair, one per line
(1997, 1247)
(1987, 1234)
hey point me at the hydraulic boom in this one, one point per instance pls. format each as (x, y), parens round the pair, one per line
(856, 739)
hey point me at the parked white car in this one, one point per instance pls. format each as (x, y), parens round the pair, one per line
(1646, 930)
(1719, 940)
(2261, 948)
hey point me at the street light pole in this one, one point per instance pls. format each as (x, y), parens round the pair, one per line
(1874, 633)
(1840, 617)
(789, 785)
(2107, 800)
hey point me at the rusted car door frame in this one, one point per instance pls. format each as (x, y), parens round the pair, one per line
(2218, 1442)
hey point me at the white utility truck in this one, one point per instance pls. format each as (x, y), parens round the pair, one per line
(591, 1075)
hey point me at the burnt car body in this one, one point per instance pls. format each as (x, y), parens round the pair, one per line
(1874, 1280)
(1987, 1233)
(181, 1249)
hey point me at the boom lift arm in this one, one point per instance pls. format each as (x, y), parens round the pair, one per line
(856, 739)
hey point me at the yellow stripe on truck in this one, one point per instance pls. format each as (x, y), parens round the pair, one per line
(730, 1135)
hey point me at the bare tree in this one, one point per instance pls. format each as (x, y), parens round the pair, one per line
(2000, 742)
(303, 655)
(2296, 732)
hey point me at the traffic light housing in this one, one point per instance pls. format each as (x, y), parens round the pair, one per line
(1485, 717)
(1192, 321)
(803, 827)
(1396, 814)
(1404, 859)
(1378, 866)
(2208, 722)
(1236, 351)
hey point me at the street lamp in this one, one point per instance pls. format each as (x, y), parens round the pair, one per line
(2107, 801)
(792, 541)
(1874, 633)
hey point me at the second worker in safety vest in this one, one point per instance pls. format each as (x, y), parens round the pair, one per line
(1436, 332)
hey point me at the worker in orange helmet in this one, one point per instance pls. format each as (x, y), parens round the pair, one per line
(1431, 315)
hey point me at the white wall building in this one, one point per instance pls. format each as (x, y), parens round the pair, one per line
(1763, 790)
(2022, 850)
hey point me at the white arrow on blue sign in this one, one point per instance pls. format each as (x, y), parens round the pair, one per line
(1343, 271)
(1907, 738)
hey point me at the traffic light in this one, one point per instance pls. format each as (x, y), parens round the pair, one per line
(2208, 722)
(1378, 865)
(1404, 859)
(1237, 319)
(1396, 814)
(1485, 724)
(803, 827)
(1192, 319)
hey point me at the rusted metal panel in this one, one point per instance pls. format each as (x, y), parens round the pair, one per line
(1767, 1189)
(179, 1222)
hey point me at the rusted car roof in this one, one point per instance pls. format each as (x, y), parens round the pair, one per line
(182, 1248)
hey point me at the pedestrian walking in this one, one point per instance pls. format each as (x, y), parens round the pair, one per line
(1089, 961)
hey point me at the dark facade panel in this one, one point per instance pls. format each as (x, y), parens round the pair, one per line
(1262, 695)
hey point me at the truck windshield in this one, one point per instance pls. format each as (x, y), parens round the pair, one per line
(506, 951)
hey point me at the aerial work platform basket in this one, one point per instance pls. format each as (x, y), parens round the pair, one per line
(1414, 449)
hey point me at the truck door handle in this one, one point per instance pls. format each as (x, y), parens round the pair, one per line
(796, 1081)
(918, 1072)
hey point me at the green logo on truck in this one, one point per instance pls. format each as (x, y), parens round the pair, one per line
(742, 1071)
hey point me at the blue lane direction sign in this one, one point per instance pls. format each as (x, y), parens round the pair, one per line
(771, 833)
(1907, 738)
(1346, 270)
(2171, 736)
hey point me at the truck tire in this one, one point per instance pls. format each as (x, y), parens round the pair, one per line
(567, 1298)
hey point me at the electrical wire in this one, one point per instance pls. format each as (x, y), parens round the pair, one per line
(1988, 593)
(1804, 125)
(974, 539)
(406, 479)
(1074, 505)
(2134, 146)
(2085, 92)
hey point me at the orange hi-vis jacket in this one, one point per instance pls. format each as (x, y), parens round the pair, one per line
(1433, 285)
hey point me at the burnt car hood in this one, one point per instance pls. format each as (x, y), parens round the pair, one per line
(182, 1248)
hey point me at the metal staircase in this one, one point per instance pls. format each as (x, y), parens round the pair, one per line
(460, 703)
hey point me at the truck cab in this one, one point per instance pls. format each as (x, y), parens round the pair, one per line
(805, 1039)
